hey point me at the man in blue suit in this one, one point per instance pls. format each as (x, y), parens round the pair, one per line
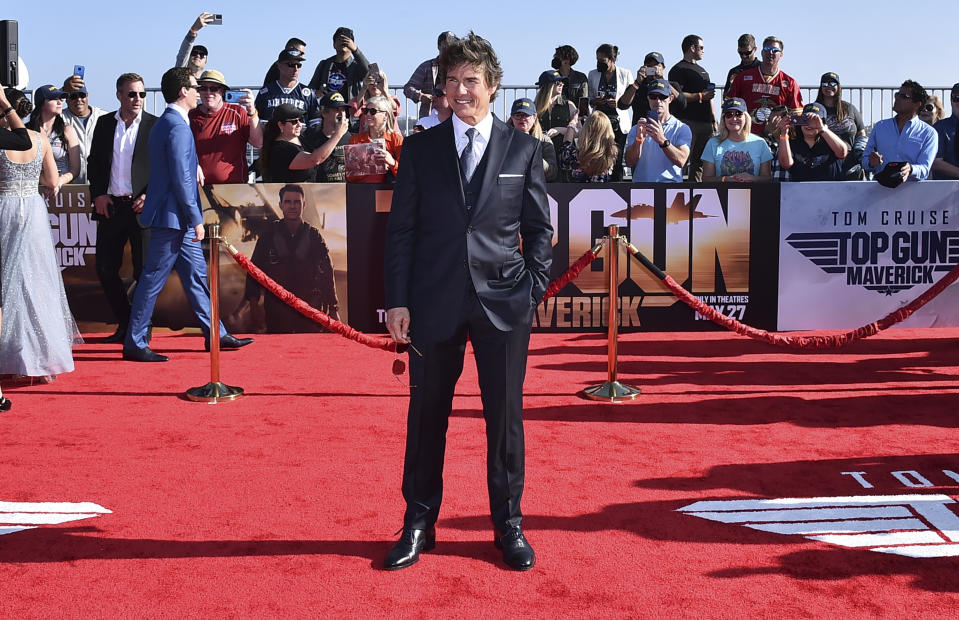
(172, 211)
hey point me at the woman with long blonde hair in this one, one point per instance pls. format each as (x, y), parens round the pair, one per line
(591, 155)
(380, 128)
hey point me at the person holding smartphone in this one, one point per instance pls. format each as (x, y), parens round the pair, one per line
(809, 150)
(222, 130)
(607, 83)
(654, 67)
(658, 145)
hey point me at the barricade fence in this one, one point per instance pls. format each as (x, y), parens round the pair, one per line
(873, 102)
(774, 257)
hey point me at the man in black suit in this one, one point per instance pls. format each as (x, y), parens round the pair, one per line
(467, 191)
(118, 168)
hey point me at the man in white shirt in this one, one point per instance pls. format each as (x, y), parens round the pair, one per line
(118, 168)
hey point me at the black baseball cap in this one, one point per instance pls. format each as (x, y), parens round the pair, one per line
(291, 54)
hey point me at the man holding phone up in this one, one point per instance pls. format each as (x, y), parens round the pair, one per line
(658, 145)
(221, 130)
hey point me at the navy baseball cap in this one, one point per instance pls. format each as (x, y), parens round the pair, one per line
(830, 77)
(523, 106)
(199, 49)
(815, 108)
(654, 56)
(549, 77)
(658, 87)
(734, 103)
(47, 92)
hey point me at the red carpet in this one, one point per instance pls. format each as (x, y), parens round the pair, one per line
(283, 503)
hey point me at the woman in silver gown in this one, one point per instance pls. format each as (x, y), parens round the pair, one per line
(38, 329)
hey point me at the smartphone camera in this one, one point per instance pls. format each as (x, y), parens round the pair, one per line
(798, 120)
(233, 96)
(217, 20)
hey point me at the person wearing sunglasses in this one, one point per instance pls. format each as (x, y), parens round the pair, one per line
(658, 145)
(736, 155)
(932, 111)
(192, 56)
(118, 192)
(82, 116)
(222, 130)
(746, 48)
(47, 119)
(287, 88)
(946, 163)
(380, 129)
(523, 117)
(902, 148)
(283, 158)
(766, 86)
(844, 120)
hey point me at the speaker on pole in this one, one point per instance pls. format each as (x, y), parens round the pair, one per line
(9, 52)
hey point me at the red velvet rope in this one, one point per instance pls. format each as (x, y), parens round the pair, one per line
(376, 342)
(804, 342)
(574, 270)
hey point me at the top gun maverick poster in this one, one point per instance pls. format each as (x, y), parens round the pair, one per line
(718, 242)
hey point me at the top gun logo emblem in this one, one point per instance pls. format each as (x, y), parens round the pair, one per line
(917, 257)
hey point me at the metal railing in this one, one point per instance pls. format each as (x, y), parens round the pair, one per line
(873, 102)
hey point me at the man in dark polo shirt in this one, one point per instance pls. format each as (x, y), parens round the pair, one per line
(699, 101)
(221, 131)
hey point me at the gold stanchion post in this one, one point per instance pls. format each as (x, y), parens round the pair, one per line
(215, 390)
(612, 391)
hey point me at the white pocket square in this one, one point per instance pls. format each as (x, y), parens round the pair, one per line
(509, 176)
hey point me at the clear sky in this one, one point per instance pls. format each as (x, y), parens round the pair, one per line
(866, 43)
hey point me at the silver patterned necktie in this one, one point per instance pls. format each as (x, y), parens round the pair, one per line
(468, 157)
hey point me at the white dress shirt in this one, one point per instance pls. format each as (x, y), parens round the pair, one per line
(480, 140)
(121, 168)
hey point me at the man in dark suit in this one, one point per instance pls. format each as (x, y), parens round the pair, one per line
(118, 169)
(172, 211)
(467, 191)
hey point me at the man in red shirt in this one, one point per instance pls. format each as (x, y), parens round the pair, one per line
(766, 87)
(221, 131)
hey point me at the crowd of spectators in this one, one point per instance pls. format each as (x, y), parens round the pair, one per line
(662, 121)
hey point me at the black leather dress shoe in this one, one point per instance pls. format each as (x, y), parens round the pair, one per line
(145, 354)
(228, 342)
(117, 336)
(5, 403)
(406, 552)
(517, 553)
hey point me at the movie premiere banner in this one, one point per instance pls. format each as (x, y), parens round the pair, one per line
(718, 242)
(850, 253)
(248, 215)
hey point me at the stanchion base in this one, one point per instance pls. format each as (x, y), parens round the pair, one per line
(611, 391)
(214, 392)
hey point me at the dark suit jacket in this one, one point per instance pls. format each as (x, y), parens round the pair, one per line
(101, 155)
(434, 244)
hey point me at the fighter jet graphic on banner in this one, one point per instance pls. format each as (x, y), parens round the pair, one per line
(915, 526)
(18, 516)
